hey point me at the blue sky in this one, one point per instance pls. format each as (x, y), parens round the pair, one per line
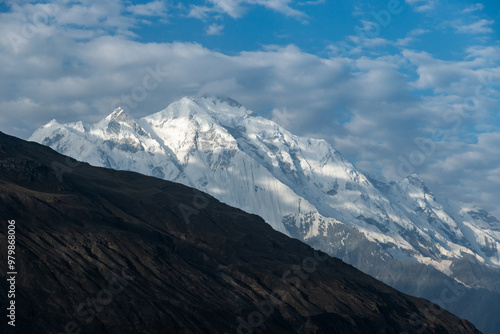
(398, 87)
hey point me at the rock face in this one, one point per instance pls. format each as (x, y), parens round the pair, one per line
(103, 251)
(397, 232)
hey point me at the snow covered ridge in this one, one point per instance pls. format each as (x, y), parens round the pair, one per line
(294, 183)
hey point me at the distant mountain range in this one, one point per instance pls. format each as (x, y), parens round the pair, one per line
(396, 231)
(103, 251)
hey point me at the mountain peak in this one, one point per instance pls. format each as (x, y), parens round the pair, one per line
(414, 177)
(118, 111)
(52, 123)
(116, 119)
(415, 181)
(119, 115)
(222, 110)
(231, 102)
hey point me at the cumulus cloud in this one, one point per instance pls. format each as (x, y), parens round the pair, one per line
(233, 8)
(479, 161)
(490, 55)
(154, 8)
(215, 29)
(411, 37)
(482, 26)
(237, 8)
(282, 6)
(422, 5)
(199, 12)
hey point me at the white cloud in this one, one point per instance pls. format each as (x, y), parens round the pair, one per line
(369, 42)
(280, 6)
(482, 26)
(489, 54)
(237, 8)
(200, 12)
(422, 5)
(404, 41)
(215, 29)
(312, 2)
(282, 116)
(460, 78)
(154, 8)
(479, 161)
(233, 8)
(410, 37)
(473, 8)
(418, 32)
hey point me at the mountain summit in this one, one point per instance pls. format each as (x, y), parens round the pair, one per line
(302, 187)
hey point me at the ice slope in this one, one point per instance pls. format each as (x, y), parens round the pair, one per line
(247, 161)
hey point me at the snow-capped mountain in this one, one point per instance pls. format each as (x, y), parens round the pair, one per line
(301, 186)
(254, 164)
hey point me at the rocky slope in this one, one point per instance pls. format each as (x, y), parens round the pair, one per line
(104, 251)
